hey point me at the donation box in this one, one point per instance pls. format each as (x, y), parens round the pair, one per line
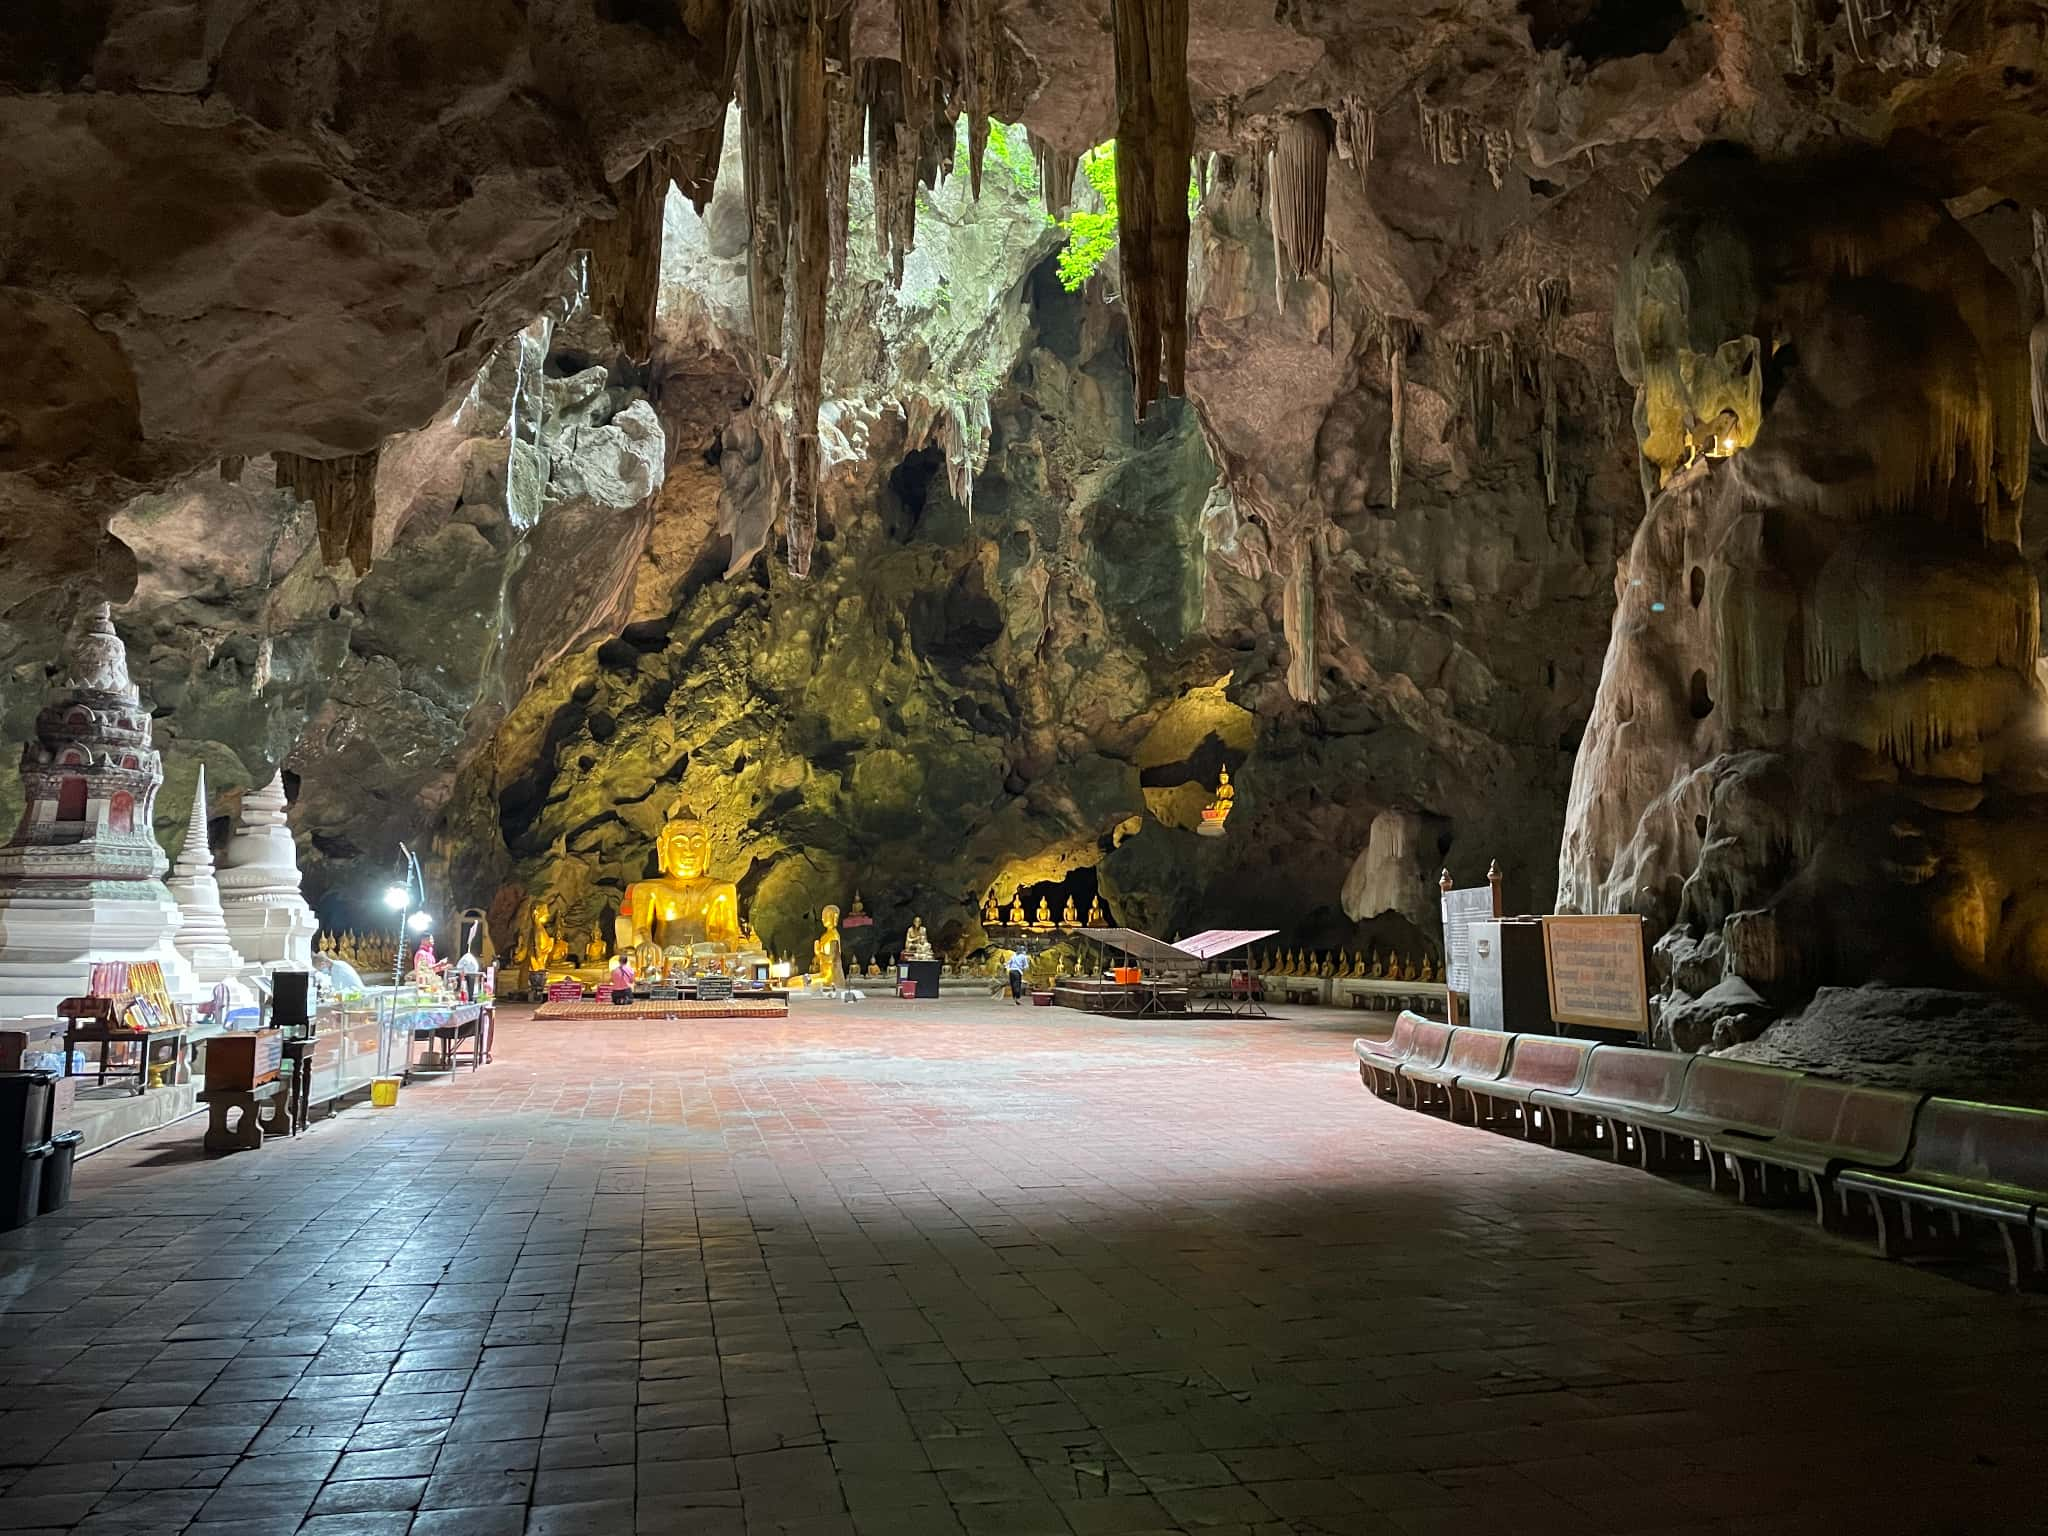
(243, 1059)
(1509, 988)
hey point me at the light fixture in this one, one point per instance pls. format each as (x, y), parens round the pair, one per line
(397, 898)
(419, 922)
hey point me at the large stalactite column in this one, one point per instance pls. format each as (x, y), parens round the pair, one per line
(1819, 752)
(1155, 138)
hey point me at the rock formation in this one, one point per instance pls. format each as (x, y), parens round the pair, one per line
(1816, 755)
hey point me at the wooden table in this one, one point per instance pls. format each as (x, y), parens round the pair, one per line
(157, 1045)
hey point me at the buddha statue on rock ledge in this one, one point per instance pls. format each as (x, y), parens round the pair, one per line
(683, 906)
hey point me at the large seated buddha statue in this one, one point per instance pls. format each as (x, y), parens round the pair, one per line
(683, 907)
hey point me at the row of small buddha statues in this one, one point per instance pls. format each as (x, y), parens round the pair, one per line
(1042, 921)
(1342, 964)
(368, 953)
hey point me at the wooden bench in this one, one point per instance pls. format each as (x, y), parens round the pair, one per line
(1480, 1055)
(1536, 1063)
(1978, 1162)
(246, 1131)
(1828, 1126)
(1741, 1103)
(1379, 1061)
(1622, 1082)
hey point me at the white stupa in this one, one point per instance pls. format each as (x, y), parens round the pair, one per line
(81, 879)
(267, 919)
(203, 936)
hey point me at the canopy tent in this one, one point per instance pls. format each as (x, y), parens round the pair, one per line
(1211, 942)
(1141, 947)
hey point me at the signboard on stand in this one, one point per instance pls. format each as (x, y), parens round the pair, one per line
(1598, 971)
(1461, 909)
(714, 989)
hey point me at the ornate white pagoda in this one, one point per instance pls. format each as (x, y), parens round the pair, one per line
(267, 919)
(81, 879)
(203, 936)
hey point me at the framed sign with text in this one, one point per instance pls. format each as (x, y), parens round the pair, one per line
(1598, 971)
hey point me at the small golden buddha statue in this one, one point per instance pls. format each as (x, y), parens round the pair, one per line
(860, 908)
(1095, 919)
(1069, 917)
(827, 963)
(1217, 811)
(1328, 968)
(1017, 910)
(1375, 971)
(991, 914)
(1044, 918)
(595, 950)
(684, 905)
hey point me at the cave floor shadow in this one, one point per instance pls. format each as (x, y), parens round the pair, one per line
(958, 1267)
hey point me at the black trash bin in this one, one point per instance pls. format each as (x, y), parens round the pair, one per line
(21, 1186)
(25, 1105)
(56, 1190)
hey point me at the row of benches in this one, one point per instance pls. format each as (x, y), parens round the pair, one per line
(1919, 1166)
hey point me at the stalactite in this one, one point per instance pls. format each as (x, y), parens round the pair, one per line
(1553, 294)
(1155, 134)
(625, 255)
(917, 24)
(1299, 182)
(1446, 131)
(892, 160)
(978, 82)
(843, 146)
(762, 110)
(2037, 342)
(344, 497)
(1357, 128)
(1395, 336)
(792, 184)
(1056, 172)
(1298, 621)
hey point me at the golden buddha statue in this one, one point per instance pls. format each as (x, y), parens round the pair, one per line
(595, 952)
(1095, 913)
(1217, 811)
(684, 905)
(827, 959)
(991, 914)
(1375, 970)
(1017, 910)
(1069, 916)
(1044, 918)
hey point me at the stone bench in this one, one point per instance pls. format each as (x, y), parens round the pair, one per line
(262, 1111)
(1969, 1162)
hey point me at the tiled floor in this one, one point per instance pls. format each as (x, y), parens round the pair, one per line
(898, 1269)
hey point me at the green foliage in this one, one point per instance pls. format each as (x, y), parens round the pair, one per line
(1007, 147)
(1091, 236)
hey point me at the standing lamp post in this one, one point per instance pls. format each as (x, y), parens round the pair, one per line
(407, 900)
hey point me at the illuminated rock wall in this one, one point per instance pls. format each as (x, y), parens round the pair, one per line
(1817, 751)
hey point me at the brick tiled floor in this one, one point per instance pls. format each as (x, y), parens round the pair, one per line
(900, 1270)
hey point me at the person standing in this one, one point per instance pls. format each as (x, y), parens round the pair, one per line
(1017, 964)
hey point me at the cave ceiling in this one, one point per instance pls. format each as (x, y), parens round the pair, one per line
(429, 446)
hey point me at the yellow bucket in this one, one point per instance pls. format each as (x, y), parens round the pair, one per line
(384, 1091)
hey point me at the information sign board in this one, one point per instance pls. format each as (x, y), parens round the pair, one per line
(1598, 971)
